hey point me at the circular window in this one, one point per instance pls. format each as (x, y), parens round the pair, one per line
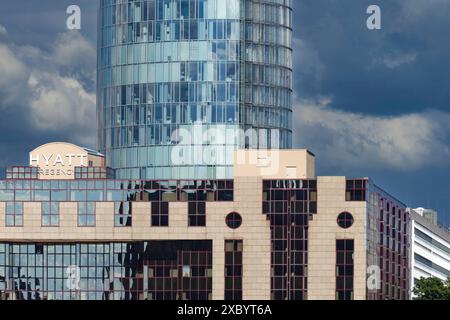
(345, 220)
(233, 220)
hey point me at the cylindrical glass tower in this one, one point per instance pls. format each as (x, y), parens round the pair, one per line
(182, 83)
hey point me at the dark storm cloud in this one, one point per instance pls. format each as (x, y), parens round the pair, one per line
(37, 22)
(376, 103)
(401, 68)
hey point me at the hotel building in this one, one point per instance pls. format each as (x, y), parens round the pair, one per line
(69, 230)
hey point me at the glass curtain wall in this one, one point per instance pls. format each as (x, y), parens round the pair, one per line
(151, 270)
(195, 73)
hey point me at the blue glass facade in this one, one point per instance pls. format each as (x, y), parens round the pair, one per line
(212, 69)
(149, 270)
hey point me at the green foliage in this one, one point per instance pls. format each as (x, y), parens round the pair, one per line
(432, 289)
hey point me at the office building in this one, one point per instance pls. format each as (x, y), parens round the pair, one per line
(212, 75)
(429, 214)
(430, 246)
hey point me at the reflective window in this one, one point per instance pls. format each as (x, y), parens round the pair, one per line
(14, 214)
(167, 64)
(122, 214)
(155, 270)
(50, 214)
(86, 214)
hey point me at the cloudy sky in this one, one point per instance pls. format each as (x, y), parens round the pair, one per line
(367, 103)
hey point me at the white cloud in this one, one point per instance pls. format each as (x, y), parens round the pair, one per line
(394, 61)
(50, 88)
(75, 54)
(61, 103)
(405, 142)
(12, 72)
(3, 30)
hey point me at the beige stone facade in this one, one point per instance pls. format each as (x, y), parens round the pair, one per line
(254, 232)
(323, 233)
(251, 169)
(274, 164)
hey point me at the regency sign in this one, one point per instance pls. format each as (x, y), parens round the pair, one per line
(58, 160)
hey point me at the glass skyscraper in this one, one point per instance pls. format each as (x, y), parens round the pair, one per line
(212, 75)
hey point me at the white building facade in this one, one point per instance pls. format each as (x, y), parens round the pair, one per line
(430, 248)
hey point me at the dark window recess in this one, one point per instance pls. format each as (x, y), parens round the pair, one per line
(393, 235)
(160, 214)
(356, 190)
(289, 205)
(197, 214)
(225, 190)
(345, 220)
(233, 269)
(233, 220)
(344, 269)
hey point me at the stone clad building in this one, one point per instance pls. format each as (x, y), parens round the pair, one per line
(274, 231)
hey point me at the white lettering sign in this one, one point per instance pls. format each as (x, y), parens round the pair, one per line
(57, 159)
